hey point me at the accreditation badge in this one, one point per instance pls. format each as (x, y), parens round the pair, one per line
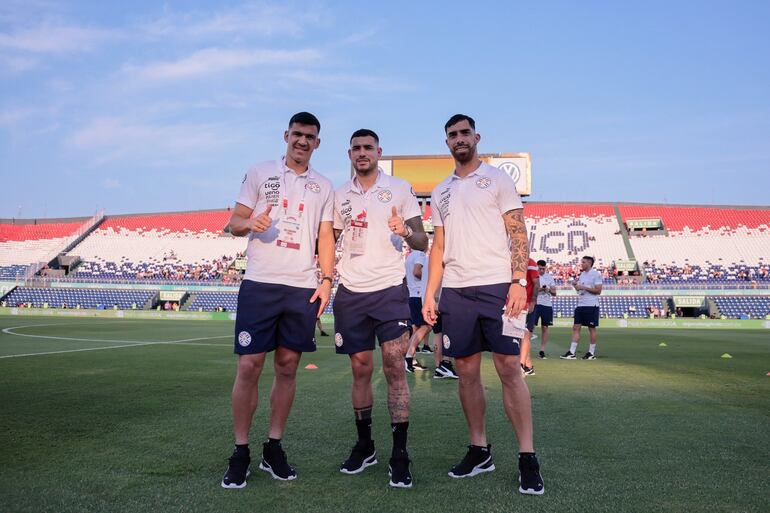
(515, 326)
(289, 232)
(357, 232)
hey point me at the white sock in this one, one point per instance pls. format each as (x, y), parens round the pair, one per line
(573, 347)
(592, 349)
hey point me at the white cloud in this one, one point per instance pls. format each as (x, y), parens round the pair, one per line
(216, 60)
(55, 39)
(110, 139)
(249, 19)
(16, 64)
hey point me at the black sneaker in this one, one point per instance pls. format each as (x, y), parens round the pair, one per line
(439, 373)
(589, 356)
(542, 355)
(398, 470)
(418, 366)
(568, 356)
(363, 455)
(426, 349)
(449, 370)
(409, 365)
(274, 462)
(476, 460)
(237, 472)
(529, 371)
(530, 480)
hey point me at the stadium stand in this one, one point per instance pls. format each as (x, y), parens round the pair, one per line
(210, 301)
(703, 244)
(176, 246)
(735, 307)
(86, 298)
(29, 242)
(612, 306)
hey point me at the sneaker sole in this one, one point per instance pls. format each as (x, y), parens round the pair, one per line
(567, 358)
(396, 485)
(233, 486)
(478, 469)
(264, 466)
(530, 491)
(368, 462)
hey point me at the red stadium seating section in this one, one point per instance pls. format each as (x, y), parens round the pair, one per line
(191, 222)
(698, 218)
(22, 232)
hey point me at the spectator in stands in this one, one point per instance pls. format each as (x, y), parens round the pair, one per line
(588, 286)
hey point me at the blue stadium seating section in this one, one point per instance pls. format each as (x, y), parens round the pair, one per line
(86, 298)
(611, 306)
(11, 272)
(736, 307)
(714, 274)
(210, 301)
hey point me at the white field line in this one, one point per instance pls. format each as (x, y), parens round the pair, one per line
(123, 343)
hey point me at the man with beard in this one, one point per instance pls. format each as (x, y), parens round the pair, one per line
(378, 213)
(284, 207)
(588, 285)
(480, 249)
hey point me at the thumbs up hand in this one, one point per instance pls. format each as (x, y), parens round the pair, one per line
(263, 221)
(396, 224)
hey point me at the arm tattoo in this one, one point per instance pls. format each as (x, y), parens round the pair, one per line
(517, 231)
(419, 239)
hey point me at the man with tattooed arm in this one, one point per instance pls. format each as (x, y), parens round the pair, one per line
(480, 250)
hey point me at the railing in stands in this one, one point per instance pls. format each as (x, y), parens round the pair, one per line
(35, 268)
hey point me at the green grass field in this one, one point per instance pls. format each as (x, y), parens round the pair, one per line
(144, 425)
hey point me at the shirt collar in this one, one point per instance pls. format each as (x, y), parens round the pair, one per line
(479, 170)
(286, 169)
(382, 180)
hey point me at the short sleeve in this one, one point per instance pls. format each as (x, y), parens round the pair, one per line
(327, 213)
(410, 207)
(249, 194)
(507, 196)
(598, 279)
(339, 223)
(435, 211)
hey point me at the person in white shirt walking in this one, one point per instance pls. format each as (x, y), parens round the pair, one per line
(588, 286)
(416, 277)
(544, 306)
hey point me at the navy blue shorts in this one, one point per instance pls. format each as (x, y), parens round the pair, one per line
(473, 321)
(438, 326)
(360, 316)
(415, 310)
(541, 313)
(271, 315)
(587, 316)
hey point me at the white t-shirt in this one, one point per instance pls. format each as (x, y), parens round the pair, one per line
(590, 278)
(269, 183)
(380, 265)
(545, 298)
(476, 244)
(414, 283)
(425, 274)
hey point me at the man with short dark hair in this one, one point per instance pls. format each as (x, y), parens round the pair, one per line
(285, 207)
(377, 214)
(480, 251)
(588, 286)
(544, 306)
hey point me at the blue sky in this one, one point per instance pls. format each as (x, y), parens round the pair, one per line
(145, 106)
